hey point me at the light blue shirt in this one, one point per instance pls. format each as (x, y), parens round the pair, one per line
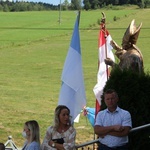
(118, 117)
(32, 146)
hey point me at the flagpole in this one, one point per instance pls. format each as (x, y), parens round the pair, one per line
(60, 12)
(79, 12)
(103, 25)
(103, 29)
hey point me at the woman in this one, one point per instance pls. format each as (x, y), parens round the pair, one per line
(61, 135)
(31, 133)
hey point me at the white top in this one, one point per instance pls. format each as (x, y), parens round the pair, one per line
(118, 117)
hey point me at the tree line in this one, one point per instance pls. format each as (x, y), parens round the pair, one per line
(95, 4)
(7, 6)
(25, 6)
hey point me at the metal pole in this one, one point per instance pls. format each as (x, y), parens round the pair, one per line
(60, 12)
(140, 127)
(97, 140)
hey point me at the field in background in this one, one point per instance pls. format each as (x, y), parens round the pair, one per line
(33, 48)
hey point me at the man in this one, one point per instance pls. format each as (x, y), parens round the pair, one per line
(112, 124)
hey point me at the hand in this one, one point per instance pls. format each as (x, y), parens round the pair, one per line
(118, 128)
(50, 143)
(109, 62)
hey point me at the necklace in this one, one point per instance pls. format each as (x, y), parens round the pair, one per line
(62, 129)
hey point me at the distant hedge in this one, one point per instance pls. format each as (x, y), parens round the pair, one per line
(134, 94)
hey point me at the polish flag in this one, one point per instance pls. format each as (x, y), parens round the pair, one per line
(105, 51)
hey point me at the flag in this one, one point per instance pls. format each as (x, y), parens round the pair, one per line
(105, 51)
(72, 92)
(90, 114)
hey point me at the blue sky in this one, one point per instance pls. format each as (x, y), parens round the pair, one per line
(54, 2)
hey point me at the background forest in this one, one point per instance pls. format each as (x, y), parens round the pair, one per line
(8, 6)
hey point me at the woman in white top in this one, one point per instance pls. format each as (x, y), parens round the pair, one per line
(31, 133)
(61, 135)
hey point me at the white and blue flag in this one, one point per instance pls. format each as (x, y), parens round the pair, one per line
(72, 92)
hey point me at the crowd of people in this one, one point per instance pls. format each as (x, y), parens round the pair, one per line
(112, 126)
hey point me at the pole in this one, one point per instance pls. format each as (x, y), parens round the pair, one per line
(131, 131)
(103, 26)
(60, 12)
(103, 29)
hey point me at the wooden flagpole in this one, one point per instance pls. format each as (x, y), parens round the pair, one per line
(103, 28)
(103, 25)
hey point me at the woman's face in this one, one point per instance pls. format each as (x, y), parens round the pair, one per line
(26, 129)
(64, 116)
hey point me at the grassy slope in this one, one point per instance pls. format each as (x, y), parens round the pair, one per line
(33, 47)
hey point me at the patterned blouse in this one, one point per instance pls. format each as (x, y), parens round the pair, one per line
(68, 136)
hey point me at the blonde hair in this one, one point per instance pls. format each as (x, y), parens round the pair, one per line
(33, 126)
(58, 110)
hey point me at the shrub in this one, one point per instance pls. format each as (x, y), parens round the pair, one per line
(116, 18)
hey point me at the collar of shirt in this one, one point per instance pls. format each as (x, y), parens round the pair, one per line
(117, 109)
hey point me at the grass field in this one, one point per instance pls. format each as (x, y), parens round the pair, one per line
(33, 48)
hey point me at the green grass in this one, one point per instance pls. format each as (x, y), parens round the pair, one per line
(33, 48)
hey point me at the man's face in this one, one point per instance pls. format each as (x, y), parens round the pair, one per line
(111, 100)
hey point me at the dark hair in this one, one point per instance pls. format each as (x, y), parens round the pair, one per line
(2, 146)
(58, 110)
(110, 91)
(34, 129)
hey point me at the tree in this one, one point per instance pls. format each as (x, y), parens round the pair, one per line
(94, 4)
(65, 5)
(141, 3)
(134, 92)
(5, 8)
(115, 2)
(1, 7)
(87, 4)
(76, 4)
(147, 3)
(122, 2)
(102, 3)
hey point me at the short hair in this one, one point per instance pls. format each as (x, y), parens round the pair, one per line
(110, 91)
(58, 110)
(33, 126)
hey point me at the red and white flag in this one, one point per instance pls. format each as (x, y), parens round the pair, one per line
(105, 51)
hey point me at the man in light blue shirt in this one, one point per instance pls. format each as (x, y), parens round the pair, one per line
(113, 124)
